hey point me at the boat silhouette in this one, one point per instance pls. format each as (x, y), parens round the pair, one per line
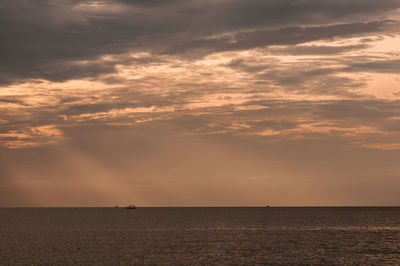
(131, 207)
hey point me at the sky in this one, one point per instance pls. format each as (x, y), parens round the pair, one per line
(199, 102)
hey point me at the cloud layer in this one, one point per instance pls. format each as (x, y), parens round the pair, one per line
(244, 87)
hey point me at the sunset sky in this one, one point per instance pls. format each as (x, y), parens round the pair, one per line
(199, 103)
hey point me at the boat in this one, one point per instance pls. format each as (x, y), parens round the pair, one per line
(131, 207)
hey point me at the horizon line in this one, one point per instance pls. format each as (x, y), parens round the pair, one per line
(222, 206)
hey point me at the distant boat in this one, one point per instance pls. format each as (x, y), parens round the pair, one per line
(267, 206)
(131, 207)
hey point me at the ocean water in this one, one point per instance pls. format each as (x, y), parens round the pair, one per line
(192, 236)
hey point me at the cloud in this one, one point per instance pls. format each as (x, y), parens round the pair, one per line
(31, 137)
(316, 49)
(377, 66)
(68, 39)
(282, 36)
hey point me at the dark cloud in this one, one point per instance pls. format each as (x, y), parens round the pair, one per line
(47, 39)
(316, 49)
(366, 111)
(283, 36)
(378, 66)
(12, 100)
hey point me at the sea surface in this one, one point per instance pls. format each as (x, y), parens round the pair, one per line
(193, 236)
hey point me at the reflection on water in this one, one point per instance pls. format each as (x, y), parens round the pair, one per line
(199, 236)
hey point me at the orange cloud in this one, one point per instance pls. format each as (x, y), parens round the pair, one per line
(31, 137)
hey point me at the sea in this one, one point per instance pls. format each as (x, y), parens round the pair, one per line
(200, 236)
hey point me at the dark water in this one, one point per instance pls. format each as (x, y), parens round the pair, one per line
(109, 236)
